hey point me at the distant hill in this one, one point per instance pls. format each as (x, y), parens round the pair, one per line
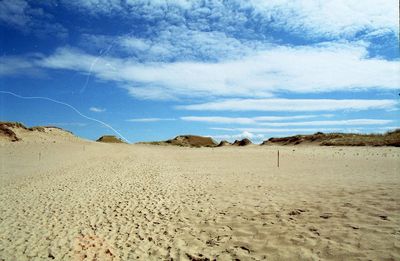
(391, 138)
(186, 141)
(243, 142)
(224, 143)
(192, 141)
(109, 139)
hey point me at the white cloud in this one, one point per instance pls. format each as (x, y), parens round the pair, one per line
(329, 128)
(265, 121)
(96, 109)
(286, 128)
(312, 18)
(218, 119)
(256, 138)
(150, 119)
(279, 130)
(323, 68)
(257, 135)
(13, 12)
(134, 43)
(330, 18)
(77, 124)
(352, 122)
(14, 65)
(96, 6)
(244, 120)
(20, 65)
(21, 15)
(388, 128)
(174, 43)
(291, 105)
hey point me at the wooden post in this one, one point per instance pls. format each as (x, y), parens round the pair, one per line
(278, 158)
(40, 156)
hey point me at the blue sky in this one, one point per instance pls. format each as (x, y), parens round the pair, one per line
(228, 69)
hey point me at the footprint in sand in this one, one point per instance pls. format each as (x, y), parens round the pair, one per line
(91, 247)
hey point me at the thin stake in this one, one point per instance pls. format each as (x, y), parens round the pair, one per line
(40, 156)
(278, 158)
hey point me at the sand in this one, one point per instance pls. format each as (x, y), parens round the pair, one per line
(76, 200)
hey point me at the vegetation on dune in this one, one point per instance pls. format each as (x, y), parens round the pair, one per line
(391, 138)
(7, 132)
(192, 141)
(224, 143)
(7, 129)
(109, 139)
(243, 142)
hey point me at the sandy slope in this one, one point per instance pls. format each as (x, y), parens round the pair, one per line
(91, 201)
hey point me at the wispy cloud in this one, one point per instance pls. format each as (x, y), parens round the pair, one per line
(21, 15)
(277, 130)
(150, 119)
(97, 109)
(291, 105)
(13, 12)
(352, 122)
(258, 135)
(19, 65)
(329, 18)
(331, 67)
(320, 128)
(286, 128)
(246, 120)
(76, 124)
(256, 138)
(231, 57)
(265, 121)
(226, 50)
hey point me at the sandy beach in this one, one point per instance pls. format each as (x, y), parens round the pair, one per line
(80, 200)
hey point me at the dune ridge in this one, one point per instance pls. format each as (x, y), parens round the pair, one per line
(186, 141)
(110, 139)
(391, 138)
(16, 131)
(243, 142)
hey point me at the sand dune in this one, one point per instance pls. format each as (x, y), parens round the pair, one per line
(224, 143)
(14, 131)
(391, 138)
(109, 139)
(82, 200)
(186, 141)
(243, 142)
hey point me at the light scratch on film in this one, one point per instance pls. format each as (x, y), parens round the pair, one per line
(69, 106)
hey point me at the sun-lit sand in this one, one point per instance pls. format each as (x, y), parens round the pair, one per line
(69, 199)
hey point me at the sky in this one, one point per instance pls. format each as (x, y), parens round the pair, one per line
(151, 70)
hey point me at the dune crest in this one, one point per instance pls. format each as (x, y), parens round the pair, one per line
(16, 132)
(192, 141)
(224, 143)
(391, 138)
(243, 142)
(186, 141)
(109, 139)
